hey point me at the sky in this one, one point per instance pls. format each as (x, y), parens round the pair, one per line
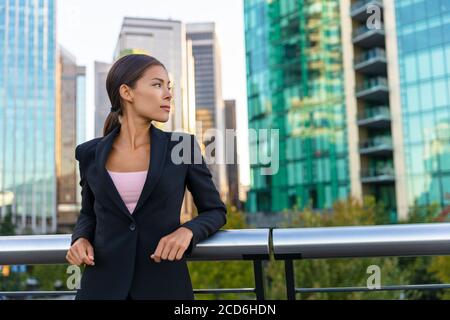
(89, 29)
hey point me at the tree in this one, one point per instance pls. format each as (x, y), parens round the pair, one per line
(224, 274)
(7, 227)
(337, 272)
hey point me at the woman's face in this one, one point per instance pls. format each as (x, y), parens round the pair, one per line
(152, 95)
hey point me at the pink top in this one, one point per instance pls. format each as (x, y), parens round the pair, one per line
(129, 185)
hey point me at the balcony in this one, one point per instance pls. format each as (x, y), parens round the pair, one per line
(379, 175)
(369, 38)
(286, 244)
(358, 10)
(374, 89)
(377, 146)
(372, 62)
(375, 117)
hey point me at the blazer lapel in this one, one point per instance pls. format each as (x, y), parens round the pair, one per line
(158, 151)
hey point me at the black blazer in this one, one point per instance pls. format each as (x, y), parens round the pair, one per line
(123, 242)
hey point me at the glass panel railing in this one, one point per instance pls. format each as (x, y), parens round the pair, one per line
(371, 54)
(372, 82)
(376, 142)
(363, 29)
(375, 112)
(378, 171)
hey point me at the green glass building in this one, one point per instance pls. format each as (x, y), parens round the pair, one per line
(295, 84)
(360, 93)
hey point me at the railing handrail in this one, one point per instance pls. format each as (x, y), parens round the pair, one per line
(376, 142)
(239, 244)
(374, 112)
(422, 239)
(288, 244)
(242, 244)
(387, 170)
(360, 30)
(370, 54)
(370, 83)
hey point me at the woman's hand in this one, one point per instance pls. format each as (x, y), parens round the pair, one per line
(173, 245)
(81, 252)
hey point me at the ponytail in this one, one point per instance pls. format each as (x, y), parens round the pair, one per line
(111, 122)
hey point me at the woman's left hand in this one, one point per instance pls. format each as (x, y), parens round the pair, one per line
(173, 245)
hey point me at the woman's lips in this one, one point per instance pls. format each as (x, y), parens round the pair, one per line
(167, 108)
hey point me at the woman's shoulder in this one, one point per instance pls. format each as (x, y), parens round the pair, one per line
(85, 147)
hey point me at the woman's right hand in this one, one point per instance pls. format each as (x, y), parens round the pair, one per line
(81, 252)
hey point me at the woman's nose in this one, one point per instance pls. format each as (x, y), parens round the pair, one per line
(168, 95)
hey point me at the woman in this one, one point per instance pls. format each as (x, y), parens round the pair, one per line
(128, 233)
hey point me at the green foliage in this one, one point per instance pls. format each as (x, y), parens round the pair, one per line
(320, 273)
(48, 275)
(7, 226)
(14, 282)
(223, 274)
(439, 268)
(424, 270)
(423, 214)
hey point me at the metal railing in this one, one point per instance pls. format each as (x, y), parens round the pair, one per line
(224, 245)
(375, 53)
(373, 83)
(376, 142)
(286, 244)
(375, 112)
(363, 30)
(380, 169)
(427, 239)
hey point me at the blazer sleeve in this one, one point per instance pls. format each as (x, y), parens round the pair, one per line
(211, 210)
(85, 226)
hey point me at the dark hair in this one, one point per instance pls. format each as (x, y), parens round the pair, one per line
(126, 70)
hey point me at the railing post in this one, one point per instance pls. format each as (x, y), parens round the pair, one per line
(259, 279)
(290, 281)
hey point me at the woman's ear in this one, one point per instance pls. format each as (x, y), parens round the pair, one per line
(126, 93)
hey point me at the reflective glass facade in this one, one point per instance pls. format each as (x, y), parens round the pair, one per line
(295, 84)
(27, 111)
(423, 29)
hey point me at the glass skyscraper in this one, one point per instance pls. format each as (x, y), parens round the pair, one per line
(362, 108)
(295, 84)
(27, 113)
(423, 33)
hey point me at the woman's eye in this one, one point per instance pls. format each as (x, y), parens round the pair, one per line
(157, 84)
